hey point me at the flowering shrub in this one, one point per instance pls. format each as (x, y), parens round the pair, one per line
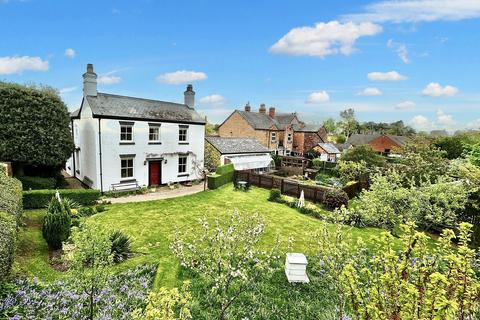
(122, 294)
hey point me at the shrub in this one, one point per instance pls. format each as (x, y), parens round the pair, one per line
(56, 223)
(275, 195)
(121, 246)
(36, 199)
(335, 198)
(223, 176)
(8, 234)
(86, 211)
(10, 195)
(100, 208)
(37, 183)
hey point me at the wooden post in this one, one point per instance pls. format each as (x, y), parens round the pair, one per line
(298, 190)
(281, 186)
(315, 195)
(260, 181)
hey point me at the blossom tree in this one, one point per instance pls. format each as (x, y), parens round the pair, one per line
(227, 257)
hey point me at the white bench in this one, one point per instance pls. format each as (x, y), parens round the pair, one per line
(125, 186)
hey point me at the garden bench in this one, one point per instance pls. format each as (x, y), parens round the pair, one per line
(125, 186)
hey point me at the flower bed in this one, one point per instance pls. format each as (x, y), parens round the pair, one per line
(60, 300)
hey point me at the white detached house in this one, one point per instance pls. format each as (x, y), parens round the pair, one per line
(120, 139)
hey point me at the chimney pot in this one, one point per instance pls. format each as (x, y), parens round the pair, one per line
(189, 96)
(90, 82)
(262, 108)
(247, 107)
(271, 112)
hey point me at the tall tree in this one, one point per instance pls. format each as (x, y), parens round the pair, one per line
(348, 123)
(330, 125)
(34, 126)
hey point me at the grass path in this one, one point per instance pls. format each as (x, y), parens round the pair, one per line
(152, 226)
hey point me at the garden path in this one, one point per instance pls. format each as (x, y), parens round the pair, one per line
(162, 193)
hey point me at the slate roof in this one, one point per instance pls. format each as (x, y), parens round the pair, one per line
(329, 148)
(75, 114)
(258, 120)
(263, 121)
(360, 139)
(236, 145)
(106, 105)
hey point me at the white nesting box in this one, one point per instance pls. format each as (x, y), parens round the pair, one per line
(296, 268)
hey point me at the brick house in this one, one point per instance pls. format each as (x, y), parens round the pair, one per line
(383, 143)
(283, 133)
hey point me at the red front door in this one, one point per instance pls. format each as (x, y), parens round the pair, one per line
(155, 173)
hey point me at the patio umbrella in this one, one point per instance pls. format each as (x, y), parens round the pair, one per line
(301, 200)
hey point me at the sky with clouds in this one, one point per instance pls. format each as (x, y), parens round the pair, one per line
(411, 60)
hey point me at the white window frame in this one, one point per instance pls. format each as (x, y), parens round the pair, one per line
(184, 165)
(127, 167)
(273, 137)
(180, 134)
(155, 127)
(126, 125)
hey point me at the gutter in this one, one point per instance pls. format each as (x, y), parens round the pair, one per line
(100, 154)
(73, 153)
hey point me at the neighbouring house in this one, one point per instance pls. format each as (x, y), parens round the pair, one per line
(122, 140)
(328, 152)
(243, 153)
(383, 143)
(282, 133)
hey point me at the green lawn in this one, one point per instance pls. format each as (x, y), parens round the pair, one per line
(152, 226)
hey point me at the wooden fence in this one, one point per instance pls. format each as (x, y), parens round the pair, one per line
(288, 187)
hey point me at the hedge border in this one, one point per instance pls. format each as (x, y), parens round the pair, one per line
(37, 199)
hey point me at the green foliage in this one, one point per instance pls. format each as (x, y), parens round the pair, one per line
(8, 236)
(330, 125)
(10, 195)
(35, 126)
(166, 304)
(224, 175)
(453, 146)
(317, 163)
(275, 195)
(474, 154)
(412, 282)
(211, 157)
(353, 171)
(36, 199)
(348, 124)
(37, 183)
(366, 154)
(86, 211)
(56, 223)
(335, 198)
(121, 246)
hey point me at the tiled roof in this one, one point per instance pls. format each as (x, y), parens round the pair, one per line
(258, 120)
(360, 139)
(263, 121)
(236, 145)
(111, 105)
(329, 148)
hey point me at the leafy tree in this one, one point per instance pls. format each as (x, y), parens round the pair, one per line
(330, 125)
(474, 154)
(453, 146)
(166, 304)
(35, 126)
(413, 281)
(348, 123)
(56, 223)
(90, 257)
(227, 257)
(353, 171)
(364, 153)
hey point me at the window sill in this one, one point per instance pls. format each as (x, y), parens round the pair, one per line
(126, 143)
(183, 175)
(154, 142)
(184, 143)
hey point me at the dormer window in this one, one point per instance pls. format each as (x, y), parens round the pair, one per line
(273, 137)
(126, 131)
(183, 134)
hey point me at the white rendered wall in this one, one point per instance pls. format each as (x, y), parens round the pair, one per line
(169, 148)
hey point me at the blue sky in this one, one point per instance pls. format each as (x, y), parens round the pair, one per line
(417, 61)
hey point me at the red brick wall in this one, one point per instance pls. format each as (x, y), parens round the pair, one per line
(311, 140)
(383, 143)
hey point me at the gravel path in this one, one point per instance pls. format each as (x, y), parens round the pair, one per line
(163, 193)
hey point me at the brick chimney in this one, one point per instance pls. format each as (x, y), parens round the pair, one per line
(189, 95)
(247, 107)
(89, 82)
(262, 109)
(271, 112)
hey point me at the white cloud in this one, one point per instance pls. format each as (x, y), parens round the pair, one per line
(434, 89)
(386, 76)
(418, 10)
(370, 92)
(70, 53)
(445, 120)
(421, 122)
(318, 97)
(442, 121)
(16, 64)
(475, 124)
(67, 90)
(405, 105)
(214, 99)
(400, 49)
(181, 76)
(324, 38)
(109, 79)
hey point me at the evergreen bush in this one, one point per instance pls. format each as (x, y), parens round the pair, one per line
(335, 198)
(56, 223)
(275, 195)
(8, 235)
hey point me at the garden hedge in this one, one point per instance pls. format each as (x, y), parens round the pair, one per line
(8, 236)
(35, 199)
(37, 183)
(223, 176)
(10, 195)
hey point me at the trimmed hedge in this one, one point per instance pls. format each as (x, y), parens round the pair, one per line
(224, 175)
(36, 199)
(335, 198)
(10, 195)
(37, 183)
(8, 236)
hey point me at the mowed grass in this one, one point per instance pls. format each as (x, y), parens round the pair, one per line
(152, 226)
